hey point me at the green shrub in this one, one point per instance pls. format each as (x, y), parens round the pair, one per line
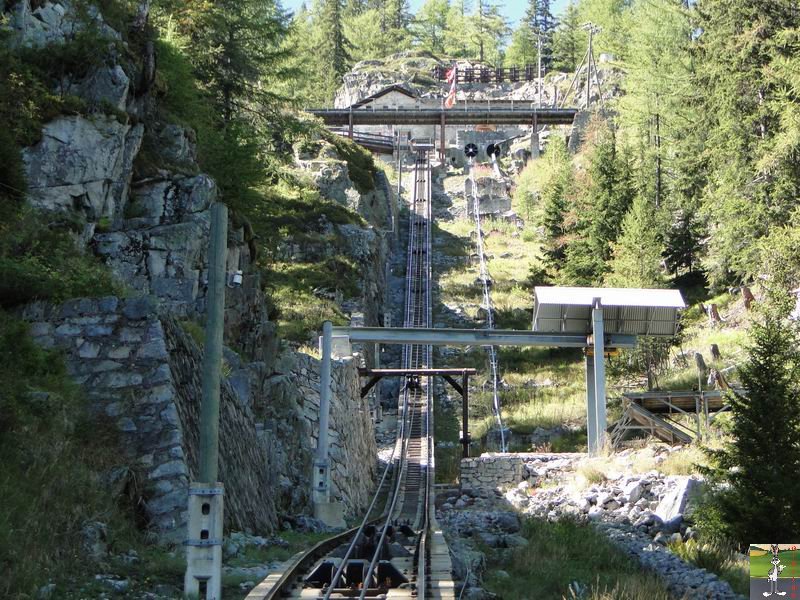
(51, 454)
(360, 163)
(12, 177)
(40, 260)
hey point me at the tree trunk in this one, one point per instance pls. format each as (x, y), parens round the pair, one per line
(702, 369)
(713, 314)
(748, 297)
(658, 160)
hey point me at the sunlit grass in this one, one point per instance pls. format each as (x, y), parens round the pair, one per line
(563, 554)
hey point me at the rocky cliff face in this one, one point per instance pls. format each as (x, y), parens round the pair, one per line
(413, 72)
(134, 357)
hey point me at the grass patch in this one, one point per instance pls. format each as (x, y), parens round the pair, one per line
(195, 331)
(561, 553)
(300, 313)
(591, 474)
(298, 542)
(685, 461)
(51, 454)
(720, 560)
(360, 163)
(40, 260)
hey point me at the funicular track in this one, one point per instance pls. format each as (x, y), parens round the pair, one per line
(389, 556)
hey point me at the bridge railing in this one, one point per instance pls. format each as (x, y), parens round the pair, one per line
(466, 105)
(488, 75)
(364, 136)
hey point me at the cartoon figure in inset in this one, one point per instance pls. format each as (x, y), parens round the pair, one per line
(776, 569)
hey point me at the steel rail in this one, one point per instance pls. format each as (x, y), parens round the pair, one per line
(417, 310)
(357, 536)
(487, 302)
(417, 313)
(422, 549)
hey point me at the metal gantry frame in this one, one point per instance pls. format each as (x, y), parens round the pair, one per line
(595, 367)
(448, 375)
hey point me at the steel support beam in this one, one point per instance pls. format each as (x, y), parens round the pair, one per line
(591, 405)
(442, 140)
(599, 373)
(476, 337)
(420, 372)
(321, 478)
(465, 439)
(470, 116)
(454, 384)
(350, 125)
(370, 384)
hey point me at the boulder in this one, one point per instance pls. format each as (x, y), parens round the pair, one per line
(82, 165)
(106, 84)
(507, 522)
(633, 491)
(177, 144)
(674, 502)
(54, 23)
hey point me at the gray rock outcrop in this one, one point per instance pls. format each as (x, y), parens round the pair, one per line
(54, 22)
(149, 221)
(141, 372)
(82, 165)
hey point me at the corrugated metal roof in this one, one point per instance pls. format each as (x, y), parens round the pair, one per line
(610, 296)
(625, 310)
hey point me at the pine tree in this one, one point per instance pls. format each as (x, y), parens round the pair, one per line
(554, 194)
(682, 252)
(491, 30)
(237, 47)
(637, 254)
(522, 50)
(658, 98)
(459, 29)
(355, 7)
(610, 192)
(399, 14)
(613, 17)
(430, 25)
(741, 108)
(759, 465)
(333, 47)
(567, 40)
(541, 22)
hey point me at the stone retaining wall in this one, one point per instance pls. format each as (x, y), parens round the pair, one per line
(291, 416)
(492, 470)
(143, 371)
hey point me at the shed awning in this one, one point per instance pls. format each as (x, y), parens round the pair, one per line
(631, 311)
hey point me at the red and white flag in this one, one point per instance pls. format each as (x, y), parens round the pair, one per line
(452, 79)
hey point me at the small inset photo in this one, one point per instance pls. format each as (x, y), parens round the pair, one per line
(774, 570)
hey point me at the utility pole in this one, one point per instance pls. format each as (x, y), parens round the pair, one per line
(592, 29)
(203, 577)
(539, 67)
